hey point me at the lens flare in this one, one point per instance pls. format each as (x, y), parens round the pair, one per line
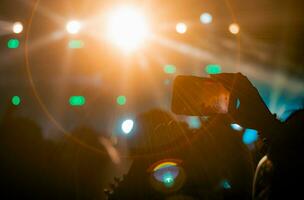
(166, 173)
(164, 165)
(127, 28)
(168, 180)
(73, 27)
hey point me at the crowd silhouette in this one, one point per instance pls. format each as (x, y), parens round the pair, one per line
(33, 167)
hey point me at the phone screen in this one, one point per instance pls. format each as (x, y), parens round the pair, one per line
(199, 96)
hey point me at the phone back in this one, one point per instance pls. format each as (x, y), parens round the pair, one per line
(199, 96)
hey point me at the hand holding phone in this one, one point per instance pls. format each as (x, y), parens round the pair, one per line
(219, 94)
(252, 111)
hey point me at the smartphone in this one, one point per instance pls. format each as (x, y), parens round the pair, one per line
(197, 96)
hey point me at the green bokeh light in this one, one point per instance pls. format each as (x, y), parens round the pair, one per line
(13, 43)
(168, 180)
(169, 69)
(76, 44)
(213, 69)
(121, 100)
(16, 100)
(77, 100)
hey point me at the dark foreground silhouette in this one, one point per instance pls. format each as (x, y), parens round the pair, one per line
(215, 162)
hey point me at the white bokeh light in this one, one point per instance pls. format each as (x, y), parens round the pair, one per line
(234, 28)
(127, 126)
(236, 127)
(206, 18)
(181, 28)
(17, 27)
(73, 27)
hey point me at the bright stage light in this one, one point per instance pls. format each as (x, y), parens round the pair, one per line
(17, 27)
(127, 28)
(234, 28)
(73, 27)
(127, 126)
(181, 28)
(206, 18)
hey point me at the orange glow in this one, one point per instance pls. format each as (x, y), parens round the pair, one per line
(127, 28)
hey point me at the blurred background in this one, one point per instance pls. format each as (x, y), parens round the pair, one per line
(180, 37)
(266, 47)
